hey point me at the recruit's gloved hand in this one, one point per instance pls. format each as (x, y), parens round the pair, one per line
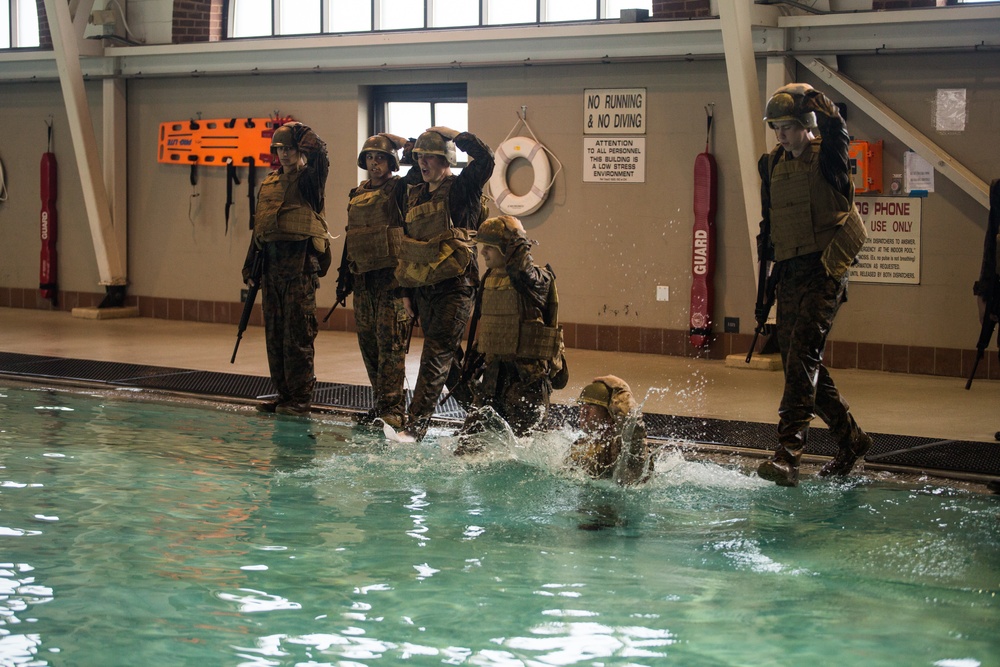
(760, 313)
(345, 285)
(397, 141)
(408, 151)
(820, 103)
(307, 140)
(445, 132)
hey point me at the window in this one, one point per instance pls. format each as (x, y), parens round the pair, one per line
(353, 16)
(409, 110)
(262, 18)
(18, 24)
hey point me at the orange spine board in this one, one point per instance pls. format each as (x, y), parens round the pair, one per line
(216, 142)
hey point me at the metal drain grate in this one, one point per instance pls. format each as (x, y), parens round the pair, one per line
(9, 361)
(954, 455)
(890, 450)
(90, 371)
(448, 409)
(206, 383)
(347, 396)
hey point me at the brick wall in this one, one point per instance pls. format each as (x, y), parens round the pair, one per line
(903, 4)
(197, 21)
(681, 9)
(44, 36)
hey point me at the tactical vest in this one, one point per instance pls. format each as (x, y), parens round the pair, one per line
(374, 229)
(807, 212)
(283, 215)
(597, 458)
(433, 249)
(509, 328)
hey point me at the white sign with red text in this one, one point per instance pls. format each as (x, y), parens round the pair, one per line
(892, 252)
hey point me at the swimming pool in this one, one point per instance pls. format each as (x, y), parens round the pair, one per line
(135, 533)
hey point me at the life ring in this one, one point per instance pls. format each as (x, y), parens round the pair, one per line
(533, 152)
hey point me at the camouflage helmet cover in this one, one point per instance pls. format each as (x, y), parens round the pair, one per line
(499, 231)
(434, 143)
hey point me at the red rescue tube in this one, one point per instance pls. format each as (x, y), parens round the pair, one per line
(47, 269)
(703, 257)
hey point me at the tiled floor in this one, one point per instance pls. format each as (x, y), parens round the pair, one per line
(918, 405)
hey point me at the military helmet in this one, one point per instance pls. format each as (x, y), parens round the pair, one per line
(379, 144)
(498, 231)
(596, 393)
(283, 137)
(433, 143)
(787, 104)
(610, 392)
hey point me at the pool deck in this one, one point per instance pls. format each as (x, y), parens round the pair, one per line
(920, 423)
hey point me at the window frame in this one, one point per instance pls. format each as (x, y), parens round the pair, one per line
(13, 32)
(541, 11)
(433, 93)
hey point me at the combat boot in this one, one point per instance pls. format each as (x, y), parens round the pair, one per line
(268, 407)
(779, 471)
(847, 456)
(294, 409)
(783, 467)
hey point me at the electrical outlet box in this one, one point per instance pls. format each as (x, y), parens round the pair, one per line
(732, 325)
(662, 293)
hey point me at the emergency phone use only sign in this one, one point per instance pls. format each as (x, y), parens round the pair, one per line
(892, 252)
(611, 157)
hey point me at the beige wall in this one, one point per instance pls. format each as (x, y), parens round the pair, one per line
(610, 244)
(24, 110)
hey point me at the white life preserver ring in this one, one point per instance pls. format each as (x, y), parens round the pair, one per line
(533, 152)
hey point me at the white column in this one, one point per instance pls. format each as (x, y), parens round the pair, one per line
(110, 258)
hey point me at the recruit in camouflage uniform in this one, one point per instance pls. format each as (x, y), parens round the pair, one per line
(815, 233)
(438, 266)
(613, 445)
(290, 232)
(517, 335)
(374, 234)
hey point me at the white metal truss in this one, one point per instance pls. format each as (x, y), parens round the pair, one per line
(944, 163)
(110, 252)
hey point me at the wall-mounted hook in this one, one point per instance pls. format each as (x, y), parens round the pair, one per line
(48, 125)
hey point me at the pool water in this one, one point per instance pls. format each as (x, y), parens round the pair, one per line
(135, 533)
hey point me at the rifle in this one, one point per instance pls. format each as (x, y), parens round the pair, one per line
(473, 362)
(765, 298)
(253, 286)
(345, 284)
(409, 334)
(989, 269)
(985, 335)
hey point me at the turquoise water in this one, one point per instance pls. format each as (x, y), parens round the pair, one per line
(146, 534)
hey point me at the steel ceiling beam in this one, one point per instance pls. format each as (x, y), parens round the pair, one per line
(962, 28)
(902, 130)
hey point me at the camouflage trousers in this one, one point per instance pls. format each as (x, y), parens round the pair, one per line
(383, 330)
(443, 313)
(290, 329)
(808, 300)
(519, 391)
